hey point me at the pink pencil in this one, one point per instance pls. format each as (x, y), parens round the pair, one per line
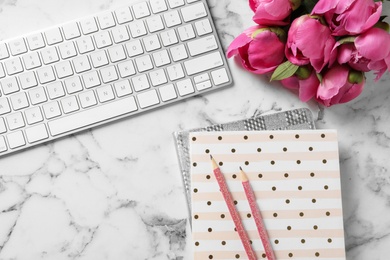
(233, 212)
(257, 216)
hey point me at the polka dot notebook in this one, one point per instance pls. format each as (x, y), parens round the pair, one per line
(296, 180)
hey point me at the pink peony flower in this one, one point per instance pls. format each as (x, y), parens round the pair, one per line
(271, 12)
(260, 49)
(309, 41)
(340, 85)
(370, 51)
(349, 17)
(307, 86)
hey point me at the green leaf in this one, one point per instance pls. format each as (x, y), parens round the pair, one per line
(349, 39)
(319, 76)
(284, 70)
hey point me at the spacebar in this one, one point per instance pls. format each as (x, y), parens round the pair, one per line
(92, 116)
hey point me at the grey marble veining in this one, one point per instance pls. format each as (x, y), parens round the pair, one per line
(115, 192)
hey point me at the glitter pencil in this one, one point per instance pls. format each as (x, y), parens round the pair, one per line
(257, 216)
(233, 211)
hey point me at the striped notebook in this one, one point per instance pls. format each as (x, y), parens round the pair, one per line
(296, 179)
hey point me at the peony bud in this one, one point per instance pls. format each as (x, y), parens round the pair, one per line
(259, 49)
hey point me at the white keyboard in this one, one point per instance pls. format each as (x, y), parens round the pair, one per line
(101, 68)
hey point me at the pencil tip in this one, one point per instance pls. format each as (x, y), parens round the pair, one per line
(240, 168)
(211, 157)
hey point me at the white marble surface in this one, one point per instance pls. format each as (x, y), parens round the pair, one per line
(116, 192)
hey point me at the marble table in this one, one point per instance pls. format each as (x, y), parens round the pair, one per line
(115, 192)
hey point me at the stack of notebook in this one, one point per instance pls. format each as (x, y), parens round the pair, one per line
(295, 177)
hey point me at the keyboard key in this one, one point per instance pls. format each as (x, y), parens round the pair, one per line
(17, 46)
(155, 24)
(92, 116)
(193, 12)
(85, 44)
(161, 58)
(19, 101)
(116, 53)
(144, 63)
(202, 45)
(191, 1)
(120, 34)
(186, 32)
(126, 69)
(169, 38)
(167, 92)
(31, 60)
(99, 59)
(105, 93)
(102, 39)
(220, 76)
(151, 43)
(71, 30)
(16, 139)
(203, 63)
(3, 145)
(69, 104)
(36, 133)
(148, 99)
(4, 106)
(109, 74)
(175, 72)
(123, 15)
(81, 64)
(33, 115)
(91, 79)
(73, 85)
(158, 6)
(201, 78)
(203, 85)
(28, 80)
(158, 77)
(185, 87)
(53, 36)
(37, 95)
(67, 50)
(140, 83)
(9, 85)
(64, 69)
(123, 88)
(172, 18)
(87, 99)
(2, 71)
(50, 55)
(55, 90)
(51, 110)
(88, 25)
(46, 75)
(134, 48)
(3, 128)
(106, 20)
(35, 41)
(175, 3)
(13, 66)
(3, 51)
(178, 52)
(15, 121)
(141, 10)
(203, 27)
(137, 29)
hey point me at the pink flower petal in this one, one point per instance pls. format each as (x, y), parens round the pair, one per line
(345, 53)
(373, 44)
(253, 4)
(332, 82)
(324, 6)
(308, 87)
(278, 8)
(265, 52)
